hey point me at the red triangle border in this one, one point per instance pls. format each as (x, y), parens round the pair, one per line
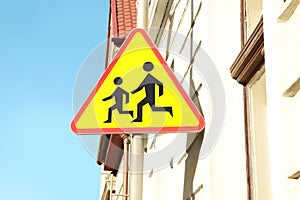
(142, 129)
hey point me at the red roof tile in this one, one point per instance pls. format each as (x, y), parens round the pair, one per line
(124, 15)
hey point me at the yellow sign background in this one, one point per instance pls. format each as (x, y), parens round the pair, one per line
(129, 66)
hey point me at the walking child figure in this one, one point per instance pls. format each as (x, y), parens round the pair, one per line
(149, 84)
(118, 95)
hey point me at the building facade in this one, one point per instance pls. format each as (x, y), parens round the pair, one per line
(254, 46)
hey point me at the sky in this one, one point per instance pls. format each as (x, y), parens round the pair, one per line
(42, 46)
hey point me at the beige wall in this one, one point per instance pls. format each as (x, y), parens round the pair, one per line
(282, 43)
(228, 168)
(223, 172)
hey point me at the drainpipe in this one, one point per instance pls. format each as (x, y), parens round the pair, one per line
(126, 143)
(137, 142)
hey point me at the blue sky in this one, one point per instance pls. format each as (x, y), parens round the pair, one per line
(42, 45)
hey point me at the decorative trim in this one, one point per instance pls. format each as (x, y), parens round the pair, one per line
(296, 175)
(289, 11)
(251, 57)
(293, 89)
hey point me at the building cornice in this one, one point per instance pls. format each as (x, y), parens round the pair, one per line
(251, 57)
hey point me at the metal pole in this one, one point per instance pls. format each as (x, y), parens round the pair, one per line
(111, 186)
(136, 167)
(137, 142)
(125, 173)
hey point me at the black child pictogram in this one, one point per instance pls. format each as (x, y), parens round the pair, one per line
(118, 95)
(149, 84)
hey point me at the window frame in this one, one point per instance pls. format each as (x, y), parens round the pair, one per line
(245, 68)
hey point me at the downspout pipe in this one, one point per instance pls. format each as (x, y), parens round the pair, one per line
(126, 142)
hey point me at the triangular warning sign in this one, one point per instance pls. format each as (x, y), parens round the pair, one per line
(137, 93)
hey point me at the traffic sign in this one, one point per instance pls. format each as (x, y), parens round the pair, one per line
(137, 93)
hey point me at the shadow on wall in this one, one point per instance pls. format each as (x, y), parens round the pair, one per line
(194, 143)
